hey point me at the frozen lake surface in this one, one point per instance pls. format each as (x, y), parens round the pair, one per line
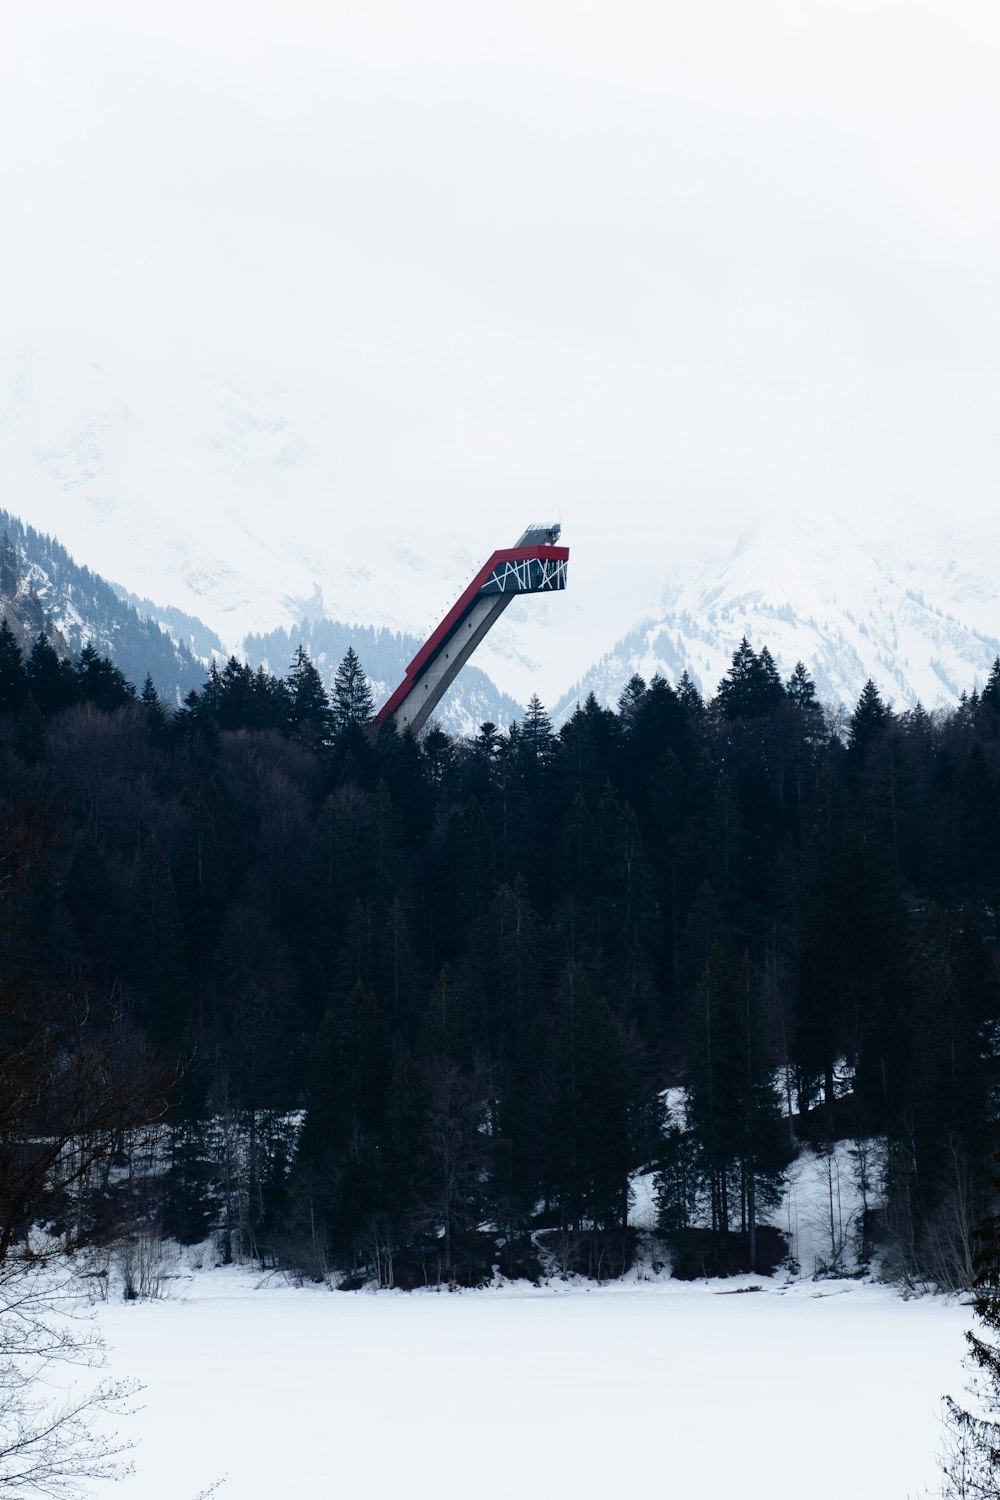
(821, 1389)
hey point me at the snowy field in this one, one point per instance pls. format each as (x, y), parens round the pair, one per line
(820, 1389)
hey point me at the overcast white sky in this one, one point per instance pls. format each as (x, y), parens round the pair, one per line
(652, 267)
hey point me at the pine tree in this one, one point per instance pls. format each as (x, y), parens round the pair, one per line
(311, 716)
(536, 732)
(988, 706)
(13, 678)
(51, 681)
(466, 872)
(821, 1031)
(448, 1026)
(404, 771)
(732, 1108)
(270, 700)
(31, 738)
(438, 753)
(942, 1132)
(801, 690)
(587, 1091)
(153, 710)
(10, 569)
(688, 693)
(762, 1150)
(970, 1463)
(206, 866)
(483, 765)
(770, 679)
(257, 1088)
(657, 723)
(248, 699)
(402, 1215)
(505, 964)
(347, 1141)
(678, 1180)
(867, 720)
(100, 682)
(630, 697)
(454, 1153)
(977, 825)
(201, 708)
(89, 895)
(352, 696)
(157, 960)
(586, 747)
(397, 970)
(751, 686)
(875, 958)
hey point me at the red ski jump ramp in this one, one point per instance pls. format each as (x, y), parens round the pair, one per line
(534, 566)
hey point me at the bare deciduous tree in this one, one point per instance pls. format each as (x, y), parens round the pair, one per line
(53, 1431)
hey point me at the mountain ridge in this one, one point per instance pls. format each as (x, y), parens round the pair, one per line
(856, 620)
(74, 605)
(43, 588)
(230, 509)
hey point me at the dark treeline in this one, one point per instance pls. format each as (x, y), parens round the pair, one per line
(424, 998)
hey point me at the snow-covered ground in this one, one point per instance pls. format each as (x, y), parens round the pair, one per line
(825, 1388)
(820, 1215)
(821, 1389)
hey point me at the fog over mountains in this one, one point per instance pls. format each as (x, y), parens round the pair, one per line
(42, 589)
(229, 507)
(812, 592)
(307, 315)
(220, 515)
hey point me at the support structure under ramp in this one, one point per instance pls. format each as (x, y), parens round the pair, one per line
(534, 566)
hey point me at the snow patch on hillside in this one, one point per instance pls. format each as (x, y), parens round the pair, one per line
(820, 1214)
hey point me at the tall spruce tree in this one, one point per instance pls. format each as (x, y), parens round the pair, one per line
(13, 678)
(309, 704)
(867, 720)
(101, 682)
(352, 697)
(51, 680)
(751, 686)
(586, 1086)
(157, 961)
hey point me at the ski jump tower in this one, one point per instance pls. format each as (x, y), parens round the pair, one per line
(534, 566)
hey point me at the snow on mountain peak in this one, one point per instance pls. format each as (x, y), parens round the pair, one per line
(809, 589)
(239, 508)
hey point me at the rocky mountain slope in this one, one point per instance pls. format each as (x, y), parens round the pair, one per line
(43, 589)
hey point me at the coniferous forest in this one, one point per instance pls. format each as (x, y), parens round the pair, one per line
(351, 1004)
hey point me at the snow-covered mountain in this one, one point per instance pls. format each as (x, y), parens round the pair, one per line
(238, 513)
(810, 591)
(233, 507)
(42, 589)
